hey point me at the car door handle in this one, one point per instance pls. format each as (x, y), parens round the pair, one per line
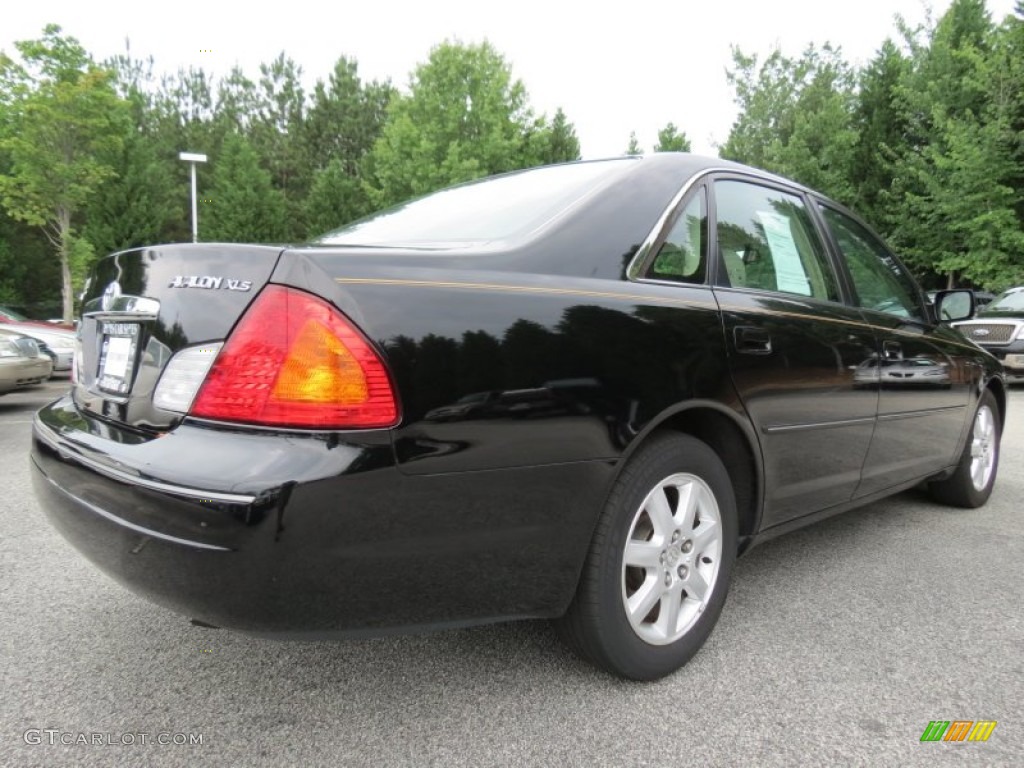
(891, 350)
(751, 340)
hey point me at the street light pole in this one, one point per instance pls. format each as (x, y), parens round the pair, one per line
(192, 158)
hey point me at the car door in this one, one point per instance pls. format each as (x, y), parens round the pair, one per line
(924, 371)
(795, 346)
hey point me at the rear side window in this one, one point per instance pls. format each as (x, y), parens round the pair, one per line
(683, 255)
(766, 242)
(880, 281)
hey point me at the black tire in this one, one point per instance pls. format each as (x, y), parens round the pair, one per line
(971, 483)
(598, 626)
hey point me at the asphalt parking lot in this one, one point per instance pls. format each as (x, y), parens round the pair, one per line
(838, 645)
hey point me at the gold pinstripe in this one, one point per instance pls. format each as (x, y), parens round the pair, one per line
(545, 290)
(539, 289)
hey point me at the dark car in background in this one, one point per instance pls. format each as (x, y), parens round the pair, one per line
(575, 392)
(999, 329)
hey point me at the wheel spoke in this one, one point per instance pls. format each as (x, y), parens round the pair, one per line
(641, 601)
(977, 448)
(642, 554)
(705, 534)
(689, 495)
(696, 587)
(668, 616)
(660, 512)
(984, 425)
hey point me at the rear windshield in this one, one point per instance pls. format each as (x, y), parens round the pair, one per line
(500, 208)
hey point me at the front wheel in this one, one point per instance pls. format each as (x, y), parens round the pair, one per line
(971, 483)
(660, 562)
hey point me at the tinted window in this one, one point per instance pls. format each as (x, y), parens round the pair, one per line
(881, 283)
(683, 255)
(766, 241)
(499, 208)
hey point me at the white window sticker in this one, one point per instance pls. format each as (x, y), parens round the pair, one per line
(790, 275)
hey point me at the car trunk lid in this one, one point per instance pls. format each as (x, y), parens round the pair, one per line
(143, 306)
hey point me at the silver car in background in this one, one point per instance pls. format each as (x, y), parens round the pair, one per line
(59, 343)
(22, 363)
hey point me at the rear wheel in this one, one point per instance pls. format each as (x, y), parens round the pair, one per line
(660, 562)
(971, 484)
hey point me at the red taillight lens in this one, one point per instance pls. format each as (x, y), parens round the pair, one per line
(296, 361)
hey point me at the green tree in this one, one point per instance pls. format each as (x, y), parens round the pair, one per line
(139, 206)
(345, 118)
(465, 117)
(956, 211)
(671, 139)
(336, 198)
(554, 143)
(276, 133)
(242, 205)
(63, 116)
(633, 148)
(796, 117)
(881, 134)
(29, 275)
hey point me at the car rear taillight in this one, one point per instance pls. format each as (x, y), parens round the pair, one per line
(293, 360)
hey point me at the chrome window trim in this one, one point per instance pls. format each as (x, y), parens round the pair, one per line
(754, 175)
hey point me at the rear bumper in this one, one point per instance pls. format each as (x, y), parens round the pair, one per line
(308, 535)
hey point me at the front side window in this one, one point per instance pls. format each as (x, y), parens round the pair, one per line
(766, 242)
(880, 281)
(683, 256)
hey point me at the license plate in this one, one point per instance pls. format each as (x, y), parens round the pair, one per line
(1014, 361)
(117, 357)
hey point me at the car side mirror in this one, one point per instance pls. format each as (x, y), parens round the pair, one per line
(951, 306)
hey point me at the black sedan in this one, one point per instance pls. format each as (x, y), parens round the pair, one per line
(575, 392)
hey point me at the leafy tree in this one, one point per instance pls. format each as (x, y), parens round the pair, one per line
(554, 143)
(29, 275)
(237, 101)
(345, 118)
(243, 204)
(633, 148)
(465, 117)
(881, 134)
(796, 117)
(956, 212)
(140, 207)
(563, 145)
(63, 117)
(276, 133)
(335, 199)
(671, 139)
